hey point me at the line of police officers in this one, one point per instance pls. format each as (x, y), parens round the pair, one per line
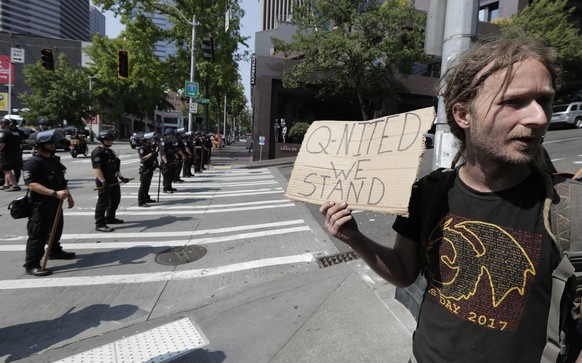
(44, 176)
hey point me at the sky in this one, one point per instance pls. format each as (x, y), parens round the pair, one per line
(251, 23)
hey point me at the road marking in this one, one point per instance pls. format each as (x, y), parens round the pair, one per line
(239, 193)
(228, 205)
(209, 209)
(201, 232)
(175, 243)
(166, 342)
(186, 184)
(152, 276)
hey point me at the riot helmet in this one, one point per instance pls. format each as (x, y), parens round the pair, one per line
(45, 137)
(106, 135)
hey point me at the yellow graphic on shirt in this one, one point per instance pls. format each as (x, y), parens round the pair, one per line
(471, 250)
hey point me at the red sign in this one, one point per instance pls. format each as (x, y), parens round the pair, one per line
(92, 121)
(6, 70)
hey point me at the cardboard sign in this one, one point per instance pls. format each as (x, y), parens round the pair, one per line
(371, 165)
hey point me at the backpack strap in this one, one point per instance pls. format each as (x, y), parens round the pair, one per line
(566, 224)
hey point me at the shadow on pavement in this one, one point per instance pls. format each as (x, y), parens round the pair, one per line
(24, 340)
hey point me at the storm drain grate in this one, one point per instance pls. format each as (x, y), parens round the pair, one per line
(180, 255)
(326, 261)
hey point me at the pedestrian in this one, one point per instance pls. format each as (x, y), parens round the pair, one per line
(106, 166)
(148, 158)
(10, 155)
(485, 246)
(168, 160)
(44, 175)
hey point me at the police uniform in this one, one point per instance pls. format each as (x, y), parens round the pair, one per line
(11, 154)
(146, 172)
(49, 172)
(110, 193)
(180, 148)
(168, 166)
(190, 155)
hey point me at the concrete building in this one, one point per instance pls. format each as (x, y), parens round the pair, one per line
(163, 49)
(276, 11)
(65, 19)
(274, 105)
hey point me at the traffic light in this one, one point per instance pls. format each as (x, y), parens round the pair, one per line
(122, 64)
(48, 58)
(207, 48)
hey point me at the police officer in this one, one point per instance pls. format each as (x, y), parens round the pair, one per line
(190, 155)
(106, 166)
(181, 154)
(10, 155)
(44, 174)
(148, 157)
(168, 160)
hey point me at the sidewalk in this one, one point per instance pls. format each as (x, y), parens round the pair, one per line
(342, 313)
(238, 155)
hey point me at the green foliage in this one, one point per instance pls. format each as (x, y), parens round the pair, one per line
(550, 22)
(57, 95)
(218, 77)
(297, 131)
(357, 47)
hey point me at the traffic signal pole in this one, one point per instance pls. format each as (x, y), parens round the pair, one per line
(459, 31)
(192, 69)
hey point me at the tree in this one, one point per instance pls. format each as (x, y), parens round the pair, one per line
(58, 96)
(357, 47)
(550, 22)
(217, 77)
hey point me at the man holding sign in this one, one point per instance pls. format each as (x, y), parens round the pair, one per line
(481, 233)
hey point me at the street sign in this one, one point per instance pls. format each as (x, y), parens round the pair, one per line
(261, 140)
(201, 100)
(193, 107)
(191, 89)
(16, 55)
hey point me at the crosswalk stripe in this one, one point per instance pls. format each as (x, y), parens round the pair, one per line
(209, 210)
(200, 232)
(194, 197)
(153, 276)
(174, 243)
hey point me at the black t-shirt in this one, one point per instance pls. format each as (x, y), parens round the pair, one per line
(107, 160)
(490, 262)
(47, 171)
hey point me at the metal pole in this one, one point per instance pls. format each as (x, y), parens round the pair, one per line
(224, 122)
(192, 69)
(460, 28)
(9, 88)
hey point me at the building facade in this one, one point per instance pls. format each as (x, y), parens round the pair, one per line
(274, 105)
(64, 19)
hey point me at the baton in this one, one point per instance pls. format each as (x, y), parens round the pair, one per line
(159, 180)
(111, 185)
(52, 235)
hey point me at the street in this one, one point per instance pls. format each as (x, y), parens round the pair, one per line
(235, 238)
(249, 234)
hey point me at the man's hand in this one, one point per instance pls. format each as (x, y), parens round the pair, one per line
(339, 221)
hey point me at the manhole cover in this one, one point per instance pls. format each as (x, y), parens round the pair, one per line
(180, 255)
